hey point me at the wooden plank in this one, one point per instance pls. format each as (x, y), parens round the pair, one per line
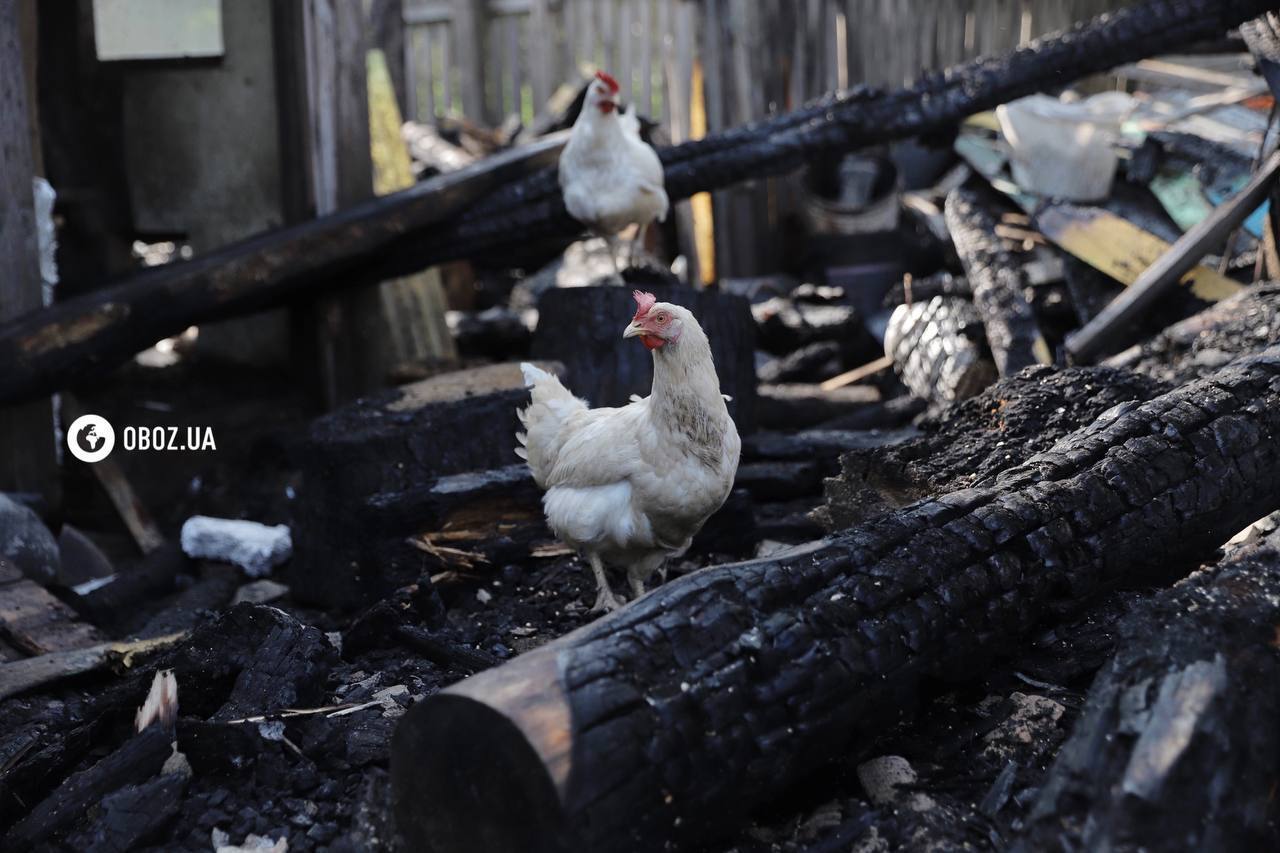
(1121, 249)
(443, 36)
(626, 69)
(35, 622)
(342, 333)
(27, 445)
(22, 675)
(540, 37)
(469, 42)
(388, 32)
(511, 56)
(430, 110)
(646, 55)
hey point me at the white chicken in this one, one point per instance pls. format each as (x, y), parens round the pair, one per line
(610, 177)
(631, 486)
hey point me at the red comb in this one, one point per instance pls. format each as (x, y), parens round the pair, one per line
(644, 301)
(607, 79)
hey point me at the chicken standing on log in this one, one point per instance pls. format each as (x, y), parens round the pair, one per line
(631, 486)
(610, 177)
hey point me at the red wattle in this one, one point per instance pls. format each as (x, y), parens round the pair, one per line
(651, 342)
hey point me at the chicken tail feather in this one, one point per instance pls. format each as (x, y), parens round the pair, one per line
(551, 403)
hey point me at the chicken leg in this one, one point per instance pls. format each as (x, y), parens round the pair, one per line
(605, 599)
(637, 244)
(642, 570)
(611, 241)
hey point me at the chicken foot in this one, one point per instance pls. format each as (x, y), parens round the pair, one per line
(605, 599)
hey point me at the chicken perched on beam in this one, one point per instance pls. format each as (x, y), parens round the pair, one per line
(631, 486)
(610, 177)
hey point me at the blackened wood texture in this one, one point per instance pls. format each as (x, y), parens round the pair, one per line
(1177, 746)
(1245, 323)
(140, 758)
(370, 471)
(972, 441)
(999, 283)
(48, 350)
(666, 722)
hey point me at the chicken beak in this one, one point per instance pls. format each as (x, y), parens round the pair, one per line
(635, 330)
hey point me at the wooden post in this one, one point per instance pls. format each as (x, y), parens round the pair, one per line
(386, 21)
(28, 463)
(468, 39)
(340, 333)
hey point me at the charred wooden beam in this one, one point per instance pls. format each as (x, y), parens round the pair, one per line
(666, 722)
(1177, 745)
(972, 441)
(420, 227)
(126, 819)
(1243, 324)
(139, 759)
(938, 350)
(399, 463)
(999, 283)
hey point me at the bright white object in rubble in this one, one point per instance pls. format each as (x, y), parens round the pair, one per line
(256, 548)
(46, 235)
(1066, 149)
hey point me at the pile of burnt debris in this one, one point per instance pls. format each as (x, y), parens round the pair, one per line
(998, 569)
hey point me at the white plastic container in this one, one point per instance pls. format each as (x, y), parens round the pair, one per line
(1065, 149)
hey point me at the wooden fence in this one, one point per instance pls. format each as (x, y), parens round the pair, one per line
(489, 59)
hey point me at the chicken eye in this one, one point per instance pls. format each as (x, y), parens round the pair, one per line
(662, 319)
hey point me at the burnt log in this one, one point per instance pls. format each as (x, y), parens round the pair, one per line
(938, 349)
(816, 362)
(418, 228)
(786, 324)
(1191, 348)
(1177, 746)
(128, 818)
(369, 471)
(667, 721)
(581, 328)
(114, 603)
(972, 441)
(999, 282)
(802, 406)
(138, 760)
(923, 289)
